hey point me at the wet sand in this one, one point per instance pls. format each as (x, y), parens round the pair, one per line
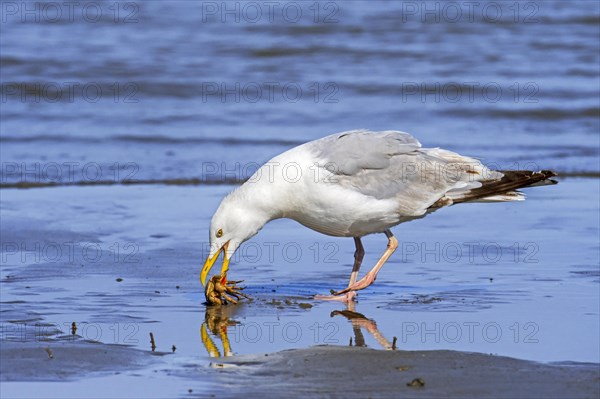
(124, 270)
(321, 371)
(340, 372)
(66, 359)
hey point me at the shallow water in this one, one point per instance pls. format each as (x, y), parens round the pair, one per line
(517, 280)
(451, 269)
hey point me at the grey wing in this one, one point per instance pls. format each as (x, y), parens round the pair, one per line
(348, 153)
(392, 165)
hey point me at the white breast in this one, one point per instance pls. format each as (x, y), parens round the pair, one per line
(309, 195)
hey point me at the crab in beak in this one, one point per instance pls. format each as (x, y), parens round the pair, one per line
(219, 291)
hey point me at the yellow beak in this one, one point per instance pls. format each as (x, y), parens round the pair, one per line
(210, 261)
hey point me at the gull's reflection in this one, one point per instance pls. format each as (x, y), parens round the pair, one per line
(218, 319)
(359, 321)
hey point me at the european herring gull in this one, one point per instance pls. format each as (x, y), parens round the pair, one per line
(355, 183)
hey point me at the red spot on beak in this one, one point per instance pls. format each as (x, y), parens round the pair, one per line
(224, 280)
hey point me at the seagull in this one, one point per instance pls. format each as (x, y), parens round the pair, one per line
(355, 183)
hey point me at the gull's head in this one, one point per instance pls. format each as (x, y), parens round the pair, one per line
(231, 225)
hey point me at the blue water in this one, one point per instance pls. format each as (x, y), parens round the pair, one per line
(159, 90)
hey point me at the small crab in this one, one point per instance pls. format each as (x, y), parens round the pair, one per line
(219, 291)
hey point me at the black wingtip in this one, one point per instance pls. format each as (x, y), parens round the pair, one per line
(548, 173)
(547, 176)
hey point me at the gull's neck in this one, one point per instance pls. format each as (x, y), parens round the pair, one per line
(260, 199)
(268, 195)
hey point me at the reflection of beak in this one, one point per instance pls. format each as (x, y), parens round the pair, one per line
(216, 322)
(210, 261)
(208, 343)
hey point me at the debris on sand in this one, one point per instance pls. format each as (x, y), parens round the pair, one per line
(416, 383)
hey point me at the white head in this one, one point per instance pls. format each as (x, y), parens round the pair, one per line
(234, 222)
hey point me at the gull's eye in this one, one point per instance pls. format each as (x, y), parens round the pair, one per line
(219, 233)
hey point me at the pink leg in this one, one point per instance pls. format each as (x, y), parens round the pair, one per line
(349, 296)
(368, 279)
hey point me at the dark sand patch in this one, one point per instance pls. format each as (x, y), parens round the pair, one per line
(344, 372)
(66, 360)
